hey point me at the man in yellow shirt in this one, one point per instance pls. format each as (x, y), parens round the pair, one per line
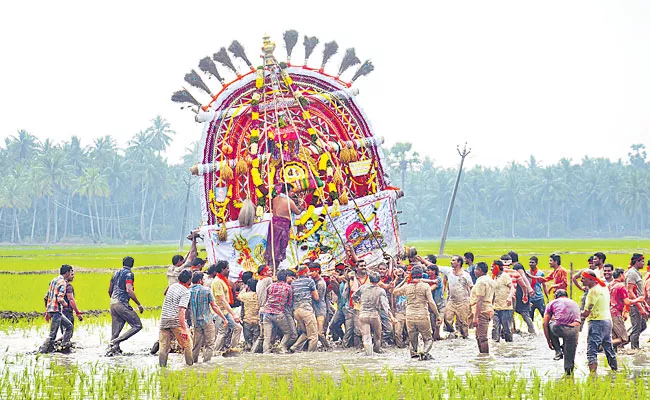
(598, 315)
(224, 297)
(481, 301)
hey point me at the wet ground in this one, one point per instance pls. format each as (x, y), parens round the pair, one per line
(525, 354)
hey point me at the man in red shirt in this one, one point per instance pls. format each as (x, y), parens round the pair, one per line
(559, 276)
(618, 299)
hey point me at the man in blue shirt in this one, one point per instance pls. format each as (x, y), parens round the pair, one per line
(537, 299)
(121, 291)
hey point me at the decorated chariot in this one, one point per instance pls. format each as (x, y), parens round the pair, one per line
(278, 123)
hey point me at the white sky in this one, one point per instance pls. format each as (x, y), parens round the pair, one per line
(512, 78)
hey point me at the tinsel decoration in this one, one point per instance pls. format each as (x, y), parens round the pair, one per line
(290, 40)
(247, 214)
(364, 69)
(349, 59)
(226, 173)
(183, 96)
(223, 233)
(238, 51)
(207, 65)
(195, 80)
(343, 198)
(222, 57)
(330, 49)
(309, 43)
(241, 168)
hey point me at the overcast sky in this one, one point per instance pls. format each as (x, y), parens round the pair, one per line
(512, 78)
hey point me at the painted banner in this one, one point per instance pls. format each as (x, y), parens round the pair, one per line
(369, 228)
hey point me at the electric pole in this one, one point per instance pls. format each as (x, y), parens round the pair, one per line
(462, 154)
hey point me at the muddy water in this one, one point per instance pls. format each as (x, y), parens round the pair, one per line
(524, 354)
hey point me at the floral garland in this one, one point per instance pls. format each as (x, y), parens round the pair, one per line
(220, 213)
(372, 216)
(316, 227)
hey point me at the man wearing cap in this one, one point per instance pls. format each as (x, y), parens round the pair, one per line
(371, 299)
(562, 321)
(482, 303)
(418, 303)
(304, 291)
(277, 237)
(600, 321)
(638, 313)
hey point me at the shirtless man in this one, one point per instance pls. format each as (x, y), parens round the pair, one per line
(277, 237)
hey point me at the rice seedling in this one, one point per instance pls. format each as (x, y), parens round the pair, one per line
(85, 381)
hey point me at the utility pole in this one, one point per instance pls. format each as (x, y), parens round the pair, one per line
(462, 154)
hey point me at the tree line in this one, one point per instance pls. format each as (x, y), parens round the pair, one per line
(595, 197)
(67, 192)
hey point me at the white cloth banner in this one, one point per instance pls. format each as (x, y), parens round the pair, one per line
(245, 247)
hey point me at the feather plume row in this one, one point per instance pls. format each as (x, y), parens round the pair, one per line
(349, 59)
(330, 49)
(238, 51)
(290, 40)
(222, 57)
(195, 80)
(310, 44)
(207, 65)
(183, 96)
(363, 70)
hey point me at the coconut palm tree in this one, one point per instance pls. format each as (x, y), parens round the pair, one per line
(92, 184)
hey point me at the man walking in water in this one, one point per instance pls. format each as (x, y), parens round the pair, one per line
(482, 303)
(418, 302)
(460, 285)
(599, 318)
(372, 299)
(277, 237)
(121, 291)
(54, 303)
(562, 321)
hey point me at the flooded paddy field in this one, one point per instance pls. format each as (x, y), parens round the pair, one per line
(522, 369)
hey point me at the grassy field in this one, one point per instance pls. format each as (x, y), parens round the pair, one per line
(91, 288)
(33, 258)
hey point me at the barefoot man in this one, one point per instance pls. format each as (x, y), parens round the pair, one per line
(277, 237)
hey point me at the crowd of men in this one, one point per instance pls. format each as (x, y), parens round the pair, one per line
(403, 303)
